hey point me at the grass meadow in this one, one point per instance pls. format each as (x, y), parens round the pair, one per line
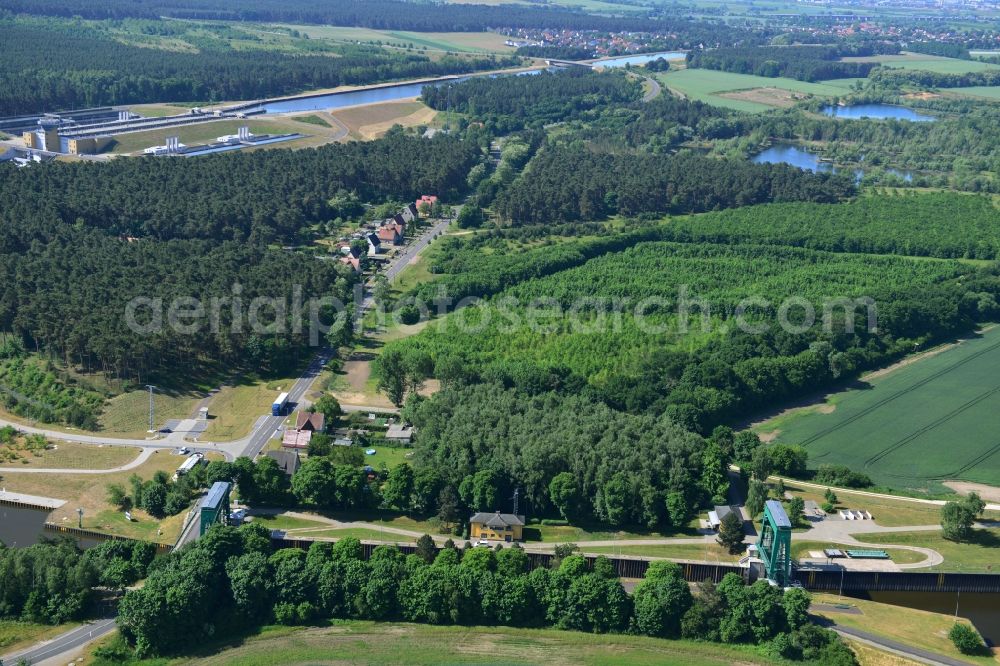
(357, 642)
(928, 63)
(709, 86)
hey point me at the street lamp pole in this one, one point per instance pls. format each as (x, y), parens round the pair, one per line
(152, 429)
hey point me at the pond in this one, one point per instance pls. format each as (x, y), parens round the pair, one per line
(877, 112)
(786, 153)
(639, 59)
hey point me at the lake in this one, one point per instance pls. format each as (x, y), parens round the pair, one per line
(785, 153)
(640, 59)
(877, 112)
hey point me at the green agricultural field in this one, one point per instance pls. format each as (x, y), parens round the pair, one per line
(984, 92)
(590, 6)
(924, 423)
(464, 42)
(709, 85)
(928, 63)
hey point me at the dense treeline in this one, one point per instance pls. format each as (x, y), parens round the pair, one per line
(534, 99)
(230, 581)
(263, 196)
(942, 49)
(51, 66)
(564, 183)
(389, 15)
(805, 63)
(924, 78)
(66, 291)
(934, 225)
(666, 121)
(52, 583)
(617, 468)
(80, 241)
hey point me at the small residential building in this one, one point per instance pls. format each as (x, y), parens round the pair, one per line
(410, 213)
(388, 234)
(296, 439)
(351, 256)
(397, 432)
(315, 422)
(497, 527)
(719, 513)
(374, 244)
(288, 461)
(352, 261)
(428, 199)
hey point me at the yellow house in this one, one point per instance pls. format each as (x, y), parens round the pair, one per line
(496, 527)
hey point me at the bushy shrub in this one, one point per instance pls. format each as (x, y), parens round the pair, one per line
(966, 639)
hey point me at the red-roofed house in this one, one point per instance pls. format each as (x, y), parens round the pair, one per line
(428, 199)
(388, 234)
(352, 261)
(314, 422)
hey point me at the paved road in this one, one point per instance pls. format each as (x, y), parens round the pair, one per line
(411, 251)
(247, 446)
(265, 428)
(71, 640)
(895, 647)
(654, 90)
(862, 493)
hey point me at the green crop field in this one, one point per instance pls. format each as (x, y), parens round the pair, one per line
(466, 42)
(985, 92)
(707, 85)
(929, 421)
(928, 63)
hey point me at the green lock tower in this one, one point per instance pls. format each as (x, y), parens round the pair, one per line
(775, 545)
(215, 507)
